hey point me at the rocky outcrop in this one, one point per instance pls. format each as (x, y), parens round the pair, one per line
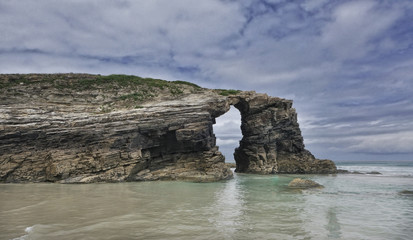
(406, 192)
(272, 140)
(80, 128)
(300, 183)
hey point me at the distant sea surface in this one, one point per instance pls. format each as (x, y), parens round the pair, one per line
(351, 206)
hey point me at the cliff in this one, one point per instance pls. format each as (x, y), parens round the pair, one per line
(81, 128)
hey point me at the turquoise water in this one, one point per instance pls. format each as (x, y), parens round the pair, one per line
(351, 206)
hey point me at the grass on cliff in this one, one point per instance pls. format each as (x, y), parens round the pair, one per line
(146, 87)
(88, 82)
(186, 83)
(129, 80)
(18, 80)
(227, 92)
(142, 88)
(131, 88)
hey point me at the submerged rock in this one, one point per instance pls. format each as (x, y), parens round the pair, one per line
(304, 184)
(374, 172)
(82, 128)
(406, 192)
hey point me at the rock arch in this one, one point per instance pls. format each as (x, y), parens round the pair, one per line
(168, 138)
(272, 140)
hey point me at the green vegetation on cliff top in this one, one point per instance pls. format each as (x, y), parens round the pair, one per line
(88, 82)
(121, 90)
(227, 92)
(131, 88)
(129, 80)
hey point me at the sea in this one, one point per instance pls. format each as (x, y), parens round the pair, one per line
(362, 205)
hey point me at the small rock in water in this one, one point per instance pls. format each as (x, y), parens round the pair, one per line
(231, 165)
(342, 171)
(374, 172)
(304, 184)
(406, 192)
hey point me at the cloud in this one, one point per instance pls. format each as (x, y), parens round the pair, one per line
(223, 142)
(346, 64)
(149, 33)
(355, 24)
(312, 5)
(388, 143)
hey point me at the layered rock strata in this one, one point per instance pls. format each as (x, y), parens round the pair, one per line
(79, 128)
(272, 140)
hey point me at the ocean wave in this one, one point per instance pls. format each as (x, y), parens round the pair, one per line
(393, 171)
(28, 230)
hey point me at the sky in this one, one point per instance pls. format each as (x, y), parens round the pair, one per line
(348, 65)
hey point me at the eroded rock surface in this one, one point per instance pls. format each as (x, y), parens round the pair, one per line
(80, 128)
(272, 140)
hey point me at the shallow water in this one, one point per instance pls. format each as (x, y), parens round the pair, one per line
(247, 207)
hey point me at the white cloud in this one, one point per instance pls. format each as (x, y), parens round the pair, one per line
(148, 29)
(354, 24)
(223, 142)
(384, 143)
(347, 64)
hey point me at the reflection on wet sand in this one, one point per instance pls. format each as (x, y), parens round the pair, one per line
(229, 209)
(333, 225)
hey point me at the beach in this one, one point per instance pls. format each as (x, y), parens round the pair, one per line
(350, 206)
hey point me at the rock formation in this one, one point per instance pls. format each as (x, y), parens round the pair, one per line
(80, 128)
(272, 140)
(406, 192)
(304, 184)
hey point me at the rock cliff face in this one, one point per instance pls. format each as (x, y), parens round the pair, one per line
(79, 128)
(272, 140)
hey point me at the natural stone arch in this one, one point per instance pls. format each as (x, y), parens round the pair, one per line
(257, 152)
(271, 137)
(167, 138)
